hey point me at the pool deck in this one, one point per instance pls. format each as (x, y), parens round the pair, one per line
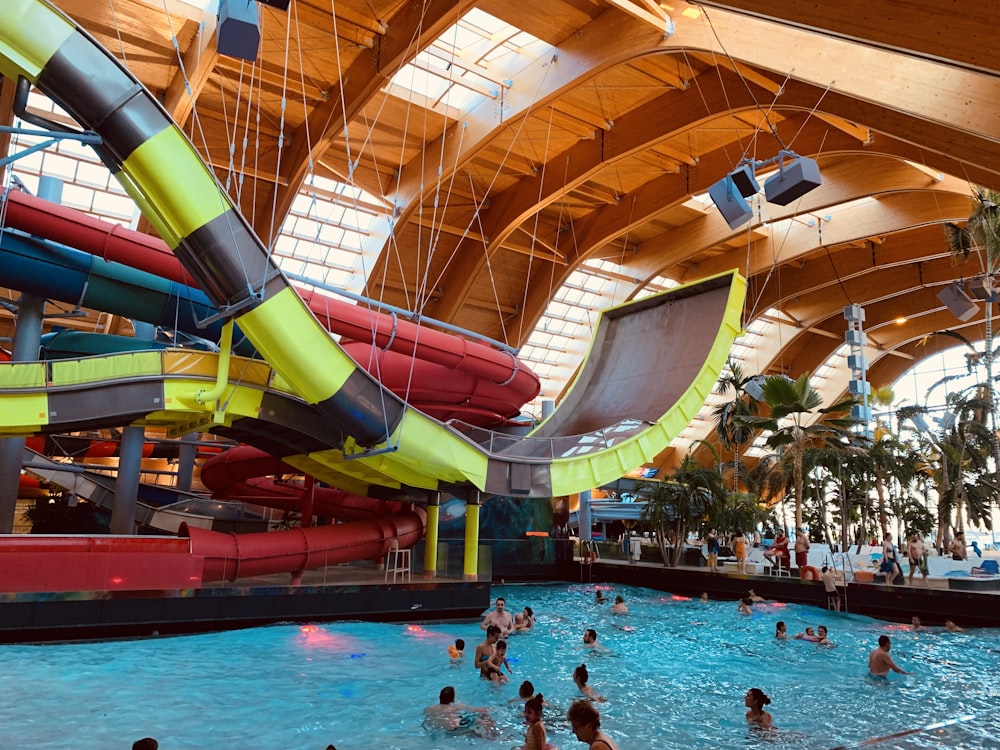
(970, 602)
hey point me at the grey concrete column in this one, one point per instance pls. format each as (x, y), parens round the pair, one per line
(27, 339)
(127, 485)
(185, 461)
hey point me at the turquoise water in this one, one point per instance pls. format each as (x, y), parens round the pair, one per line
(675, 678)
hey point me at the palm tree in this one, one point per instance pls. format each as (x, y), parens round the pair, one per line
(730, 427)
(679, 502)
(980, 237)
(797, 423)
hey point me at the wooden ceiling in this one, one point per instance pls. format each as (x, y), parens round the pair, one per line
(594, 149)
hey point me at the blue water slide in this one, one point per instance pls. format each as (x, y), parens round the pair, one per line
(46, 269)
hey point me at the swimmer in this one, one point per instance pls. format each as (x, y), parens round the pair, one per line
(754, 597)
(499, 617)
(951, 627)
(879, 661)
(581, 676)
(743, 607)
(498, 660)
(590, 638)
(599, 597)
(457, 649)
(822, 636)
(915, 624)
(535, 738)
(146, 743)
(457, 718)
(485, 651)
(529, 618)
(780, 630)
(809, 635)
(703, 597)
(518, 623)
(755, 701)
(586, 723)
(619, 607)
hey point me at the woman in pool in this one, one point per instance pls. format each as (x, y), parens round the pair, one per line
(780, 630)
(586, 723)
(755, 701)
(580, 677)
(535, 738)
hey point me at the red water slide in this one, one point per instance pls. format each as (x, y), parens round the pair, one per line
(442, 374)
(244, 473)
(231, 556)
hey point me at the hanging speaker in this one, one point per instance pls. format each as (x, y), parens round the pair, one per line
(981, 287)
(745, 180)
(238, 31)
(955, 299)
(733, 206)
(792, 181)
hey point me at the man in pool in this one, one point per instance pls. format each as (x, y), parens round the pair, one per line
(499, 617)
(879, 661)
(457, 718)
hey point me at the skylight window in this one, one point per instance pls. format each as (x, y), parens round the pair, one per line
(470, 62)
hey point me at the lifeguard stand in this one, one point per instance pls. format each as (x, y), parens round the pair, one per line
(397, 562)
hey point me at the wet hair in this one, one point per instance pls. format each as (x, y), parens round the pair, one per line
(883, 640)
(146, 743)
(501, 599)
(529, 612)
(501, 645)
(619, 600)
(447, 695)
(526, 690)
(759, 698)
(591, 632)
(825, 568)
(535, 703)
(747, 601)
(583, 712)
(491, 629)
(823, 629)
(779, 626)
(581, 673)
(460, 644)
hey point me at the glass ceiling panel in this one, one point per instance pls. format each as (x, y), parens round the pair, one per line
(471, 62)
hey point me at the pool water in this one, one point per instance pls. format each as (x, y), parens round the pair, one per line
(674, 670)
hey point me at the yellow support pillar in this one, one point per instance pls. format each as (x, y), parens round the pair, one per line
(431, 536)
(471, 569)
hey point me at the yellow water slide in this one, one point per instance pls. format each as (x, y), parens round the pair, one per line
(650, 367)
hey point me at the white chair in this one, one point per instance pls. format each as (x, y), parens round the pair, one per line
(397, 562)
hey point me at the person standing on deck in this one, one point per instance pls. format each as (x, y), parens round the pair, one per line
(801, 549)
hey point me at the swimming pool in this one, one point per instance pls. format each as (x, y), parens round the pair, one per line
(677, 680)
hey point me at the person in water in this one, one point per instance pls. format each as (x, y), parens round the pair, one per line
(499, 660)
(586, 724)
(581, 677)
(780, 630)
(457, 718)
(535, 738)
(457, 649)
(879, 661)
(485, 651)
(755, 701)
